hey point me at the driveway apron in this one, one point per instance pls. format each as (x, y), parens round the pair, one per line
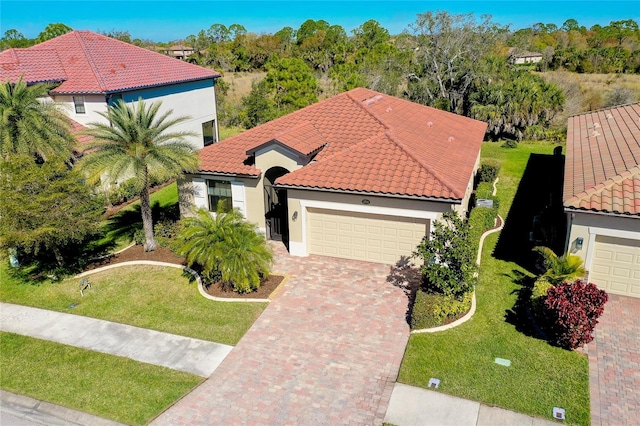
(327, 350)
(614, 364)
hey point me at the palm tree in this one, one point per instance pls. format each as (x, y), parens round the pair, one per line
(31, 126)
(136, 143)
(226, 247)
(560, 268)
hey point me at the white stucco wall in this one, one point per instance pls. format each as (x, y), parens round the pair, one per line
(187, 99)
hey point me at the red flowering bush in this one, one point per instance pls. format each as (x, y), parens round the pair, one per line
(573, 310)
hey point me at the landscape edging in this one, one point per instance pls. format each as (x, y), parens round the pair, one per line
(184, 268)
(472, 311)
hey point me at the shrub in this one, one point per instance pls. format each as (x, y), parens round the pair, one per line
(538, 295)
(510, 143)
(449, 257)
(139, 237)
(166, 232)
(488, 171)
(432, 310)
(573, 309)
(227, 246)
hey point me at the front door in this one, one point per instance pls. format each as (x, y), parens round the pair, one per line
(275, 200)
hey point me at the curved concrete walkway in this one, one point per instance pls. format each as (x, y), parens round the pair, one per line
(153, 347)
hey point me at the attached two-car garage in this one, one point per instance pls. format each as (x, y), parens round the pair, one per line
(616, 265)
(363, 236)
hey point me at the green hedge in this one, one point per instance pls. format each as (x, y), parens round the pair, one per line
(432, 310)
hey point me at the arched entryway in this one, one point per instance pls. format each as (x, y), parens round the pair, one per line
(275, 206)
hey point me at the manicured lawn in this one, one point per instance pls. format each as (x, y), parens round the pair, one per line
(120, 227)
(113, 387)
(159, 298)
(540, 376)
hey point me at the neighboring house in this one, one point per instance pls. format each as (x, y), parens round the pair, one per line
(518, 57)
(89, 71)
(178, 51)
(602, 196)
(361, 175)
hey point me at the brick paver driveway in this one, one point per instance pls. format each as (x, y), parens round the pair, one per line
(614, 364)
(327, 350)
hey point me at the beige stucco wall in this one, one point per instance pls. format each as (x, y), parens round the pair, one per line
(298, 199)
(463, 207)
(588, 225)
(277, 156)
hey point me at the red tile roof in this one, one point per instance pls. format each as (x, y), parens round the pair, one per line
(374, 143)
(602, 166)
(88, 63)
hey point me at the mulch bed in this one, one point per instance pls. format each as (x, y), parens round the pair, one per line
(163, 254)
(263, 292)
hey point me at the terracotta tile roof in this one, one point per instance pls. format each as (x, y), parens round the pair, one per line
(76, 130)
(374, 143)
(304, 139)
(602, 166)
(33, 66)
(93, 63)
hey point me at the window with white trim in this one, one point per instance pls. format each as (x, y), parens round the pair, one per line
(78, 103)
(219, 190)
(209, 132)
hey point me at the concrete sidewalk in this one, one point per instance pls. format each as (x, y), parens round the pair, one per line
(153, 347)
(412, 406)
(19, 410)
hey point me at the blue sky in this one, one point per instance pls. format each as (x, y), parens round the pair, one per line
(164, 21)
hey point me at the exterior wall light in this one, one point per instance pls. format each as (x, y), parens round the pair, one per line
(579, 242)
(294, 216)
(366, 202)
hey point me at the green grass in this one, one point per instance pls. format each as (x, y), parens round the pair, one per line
(117, 388)
(227, 132)
(120, 227)
(159, 298)
(541, 376)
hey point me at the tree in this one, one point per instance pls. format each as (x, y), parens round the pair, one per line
(226, 248)
(31, 127)
(45, 208)
(291, 84)
(512, 100)
(448, 256)
(137, 142)
(53, 31)
(257, 106)
(448, 52)
(119, 35)
(13, 38)
(370, 34)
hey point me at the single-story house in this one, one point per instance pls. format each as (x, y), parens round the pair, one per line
(518, 57)
(602, 196)
(361, 175)
(90, 71)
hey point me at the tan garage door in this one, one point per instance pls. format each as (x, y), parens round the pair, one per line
(616, 266)
(359, 236)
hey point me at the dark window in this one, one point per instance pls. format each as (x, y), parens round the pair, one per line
(209, 132)
(78, 103)
(219, 190)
